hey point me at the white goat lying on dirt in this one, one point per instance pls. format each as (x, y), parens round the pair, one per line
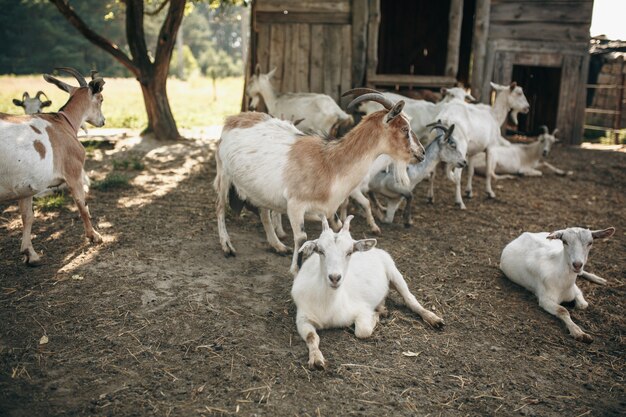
(339, 285)
(310, 111)
(274, 166)
(518, 159)
(547, 264)
(32, 105)
(42, 151)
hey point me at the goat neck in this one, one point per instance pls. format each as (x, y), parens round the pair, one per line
(269, 96)
(419, 171)
(75, 108)
(500, 108)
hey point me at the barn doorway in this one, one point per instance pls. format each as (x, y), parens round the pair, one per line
(541, 86)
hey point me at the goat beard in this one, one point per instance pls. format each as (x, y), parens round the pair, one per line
(400, 173)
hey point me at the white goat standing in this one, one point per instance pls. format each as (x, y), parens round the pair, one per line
(42, 151)
(478, 131)
(339, 285)
(547, 264)
(275, 167)
(33, 105)
(519, 159)
(314, 112)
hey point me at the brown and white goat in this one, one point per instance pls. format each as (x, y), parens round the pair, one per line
(42, 151)
(288, 171)
(33, 105)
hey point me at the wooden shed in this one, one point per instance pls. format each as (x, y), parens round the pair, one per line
(329, 46)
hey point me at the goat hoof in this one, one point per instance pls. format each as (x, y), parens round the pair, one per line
(376, 230)
(317, 362)
(430, 200)
(31, 261)
(461, 206)
(407, 225)
(584, 337)
(228, 250)
(491, 195)
(434, 320)
(469, 194)
(95, 237)
(283, 251)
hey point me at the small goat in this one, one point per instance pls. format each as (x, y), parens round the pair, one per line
(42, 151)
(442, 149)
(275, 167)
(547, 264)
(33, 105)
(314, 112)
(339, 285)
(519, 159)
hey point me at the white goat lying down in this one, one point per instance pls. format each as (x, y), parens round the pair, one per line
(33, 105)
(275, 167)
(547, 264)
(339, 285)
(42, 151)
(519, 159)
(310, 111)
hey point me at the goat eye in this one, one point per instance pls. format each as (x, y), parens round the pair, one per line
(565, 243)
(590, 243)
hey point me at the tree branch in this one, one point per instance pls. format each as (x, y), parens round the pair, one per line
(167, 35)
(158, 9)
(68, 12)
(135, 35)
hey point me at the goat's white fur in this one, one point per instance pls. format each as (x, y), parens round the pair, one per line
(339, 285)
(315, 112)
(547, 265)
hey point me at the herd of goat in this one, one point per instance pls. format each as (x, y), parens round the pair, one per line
(341, 281)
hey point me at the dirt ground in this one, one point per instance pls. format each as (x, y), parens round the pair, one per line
(155, 321)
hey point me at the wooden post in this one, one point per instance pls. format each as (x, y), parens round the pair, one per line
(372, 39)
(454, 38)
(479, 47)
(359, 41)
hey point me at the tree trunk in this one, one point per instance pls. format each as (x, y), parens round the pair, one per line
(161, 122)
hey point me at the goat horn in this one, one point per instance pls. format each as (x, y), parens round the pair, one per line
(359, 91)
(437, 125)
(544, 128)
(25, 95)
(325, 225)
(555, 131)
(81, 80)
(41, 93)
(346, 224)
(377, 97)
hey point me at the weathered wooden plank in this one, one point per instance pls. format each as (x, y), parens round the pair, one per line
(567, 100)
(372, 38)
(316, 76)
(454, 37)
(332, 61)
(263, 49)
(414, 80)
(359, 41)
(302, 62)
(539, 31)
(277, 54)
(503, 68)
(346, 58)
(337, 18)
(306, 6)
(538, 59)
(479, 46)
(562, 12)
(291, 58)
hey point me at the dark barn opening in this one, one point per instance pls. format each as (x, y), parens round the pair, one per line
(413, 37)
(541, 87)
(465, 50)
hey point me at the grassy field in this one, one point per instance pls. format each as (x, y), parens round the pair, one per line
(192, 101)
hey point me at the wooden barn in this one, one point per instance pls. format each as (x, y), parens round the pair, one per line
(329, 46)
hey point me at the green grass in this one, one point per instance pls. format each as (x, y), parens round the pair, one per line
(134, 163)
(113, 180)
(51, 202)
(191, 101)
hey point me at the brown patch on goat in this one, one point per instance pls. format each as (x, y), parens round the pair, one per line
(35, 130)
(310, 338)
(40, 148)
(17, 119)
(68, 154)
(245, 120)
(328, 159)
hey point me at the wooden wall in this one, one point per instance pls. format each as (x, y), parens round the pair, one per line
(309, 42)
(544, 33)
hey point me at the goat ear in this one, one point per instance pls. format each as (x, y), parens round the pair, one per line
(395, 111)
(555, 235)
(96, 85)
(470, 98)
(603, 234)
(443, 91)
(308, 248)
(257, 70)
(17, 102)
(271, 73)
(363, 245)
(63, 86)
(513, 85)
(46, 103)
(448, 136)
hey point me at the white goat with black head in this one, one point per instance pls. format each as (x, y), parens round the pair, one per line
(274, 166)
(340, 285)
(547, 265)
(33, 105)
(42, 151)
(519, 159)
(314, 112)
